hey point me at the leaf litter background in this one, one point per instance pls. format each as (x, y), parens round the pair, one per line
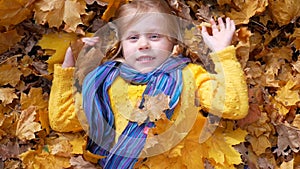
(34, 35)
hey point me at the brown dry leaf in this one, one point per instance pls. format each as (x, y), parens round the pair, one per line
(7, 95)
(8, 39)
(288, 139)
(246, 9)
(26, 125)
(56, 11)
(259, 144)
(59, 42)
(79, 163)
(34, 98)
(153, 109)
(10, 74)
(296, 66)
(43, 160)
(286, 95)
(13, 12)
(252, 116)
(284, 11)
(155, 106)
(62, 149)
(296, 35)
(243, 46)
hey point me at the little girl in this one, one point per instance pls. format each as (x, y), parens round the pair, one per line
(144, 67)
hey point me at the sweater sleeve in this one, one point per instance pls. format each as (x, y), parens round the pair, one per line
(224, 93)
(62, 114)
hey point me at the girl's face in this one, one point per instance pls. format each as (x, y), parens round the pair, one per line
(145, 44)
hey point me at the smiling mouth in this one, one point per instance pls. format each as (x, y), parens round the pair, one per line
(145, 58)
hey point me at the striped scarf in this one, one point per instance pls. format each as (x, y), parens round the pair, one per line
(124, 154)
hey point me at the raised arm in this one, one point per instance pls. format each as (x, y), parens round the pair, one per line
(225, 93)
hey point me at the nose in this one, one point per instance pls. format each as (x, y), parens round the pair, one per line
(143, 43)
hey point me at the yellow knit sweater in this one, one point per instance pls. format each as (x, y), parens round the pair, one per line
(223, 94)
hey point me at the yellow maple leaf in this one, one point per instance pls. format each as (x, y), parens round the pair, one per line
(221, 150)
(10, 74)
(56, 11)
(284, 11)
(286, 95)
(34, 159)
(44, 119)
(7, 95)
(13, 12)
(26, 125)
(58, 42)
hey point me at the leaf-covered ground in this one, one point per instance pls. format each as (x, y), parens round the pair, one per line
(34, 35)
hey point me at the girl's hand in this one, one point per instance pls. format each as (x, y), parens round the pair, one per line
(69, 60)
(221, 37)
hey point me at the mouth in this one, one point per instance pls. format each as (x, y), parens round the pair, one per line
(145, 58)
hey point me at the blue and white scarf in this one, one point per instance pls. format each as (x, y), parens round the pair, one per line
(166, 79)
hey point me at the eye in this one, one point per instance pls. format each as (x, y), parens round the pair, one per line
(133, 38)
(154, 36)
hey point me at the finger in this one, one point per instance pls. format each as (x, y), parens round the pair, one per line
(214, 26)
(204, 31)
(221, 23)
(232, 25)
(228, 23)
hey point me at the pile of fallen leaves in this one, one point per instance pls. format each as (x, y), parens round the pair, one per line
(34, 35)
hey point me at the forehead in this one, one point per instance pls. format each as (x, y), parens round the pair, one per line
(145, 23)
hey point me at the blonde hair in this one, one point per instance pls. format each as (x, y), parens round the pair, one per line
(132, 12)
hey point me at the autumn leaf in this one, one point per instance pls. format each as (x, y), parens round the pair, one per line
(26, 125)
(8, 39)
(79, 163)
(155, 105)
(112, 6)
(288, 139)
(33, 159)
(7, 95)
(59, 42)
(153, 109)
(34, 98)
(13, 12)
(296, 35)
(259, 144)
(62, 148)
(246, 9)
(10, 74)
(284, 11)
(57, 11)
(287, 96)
